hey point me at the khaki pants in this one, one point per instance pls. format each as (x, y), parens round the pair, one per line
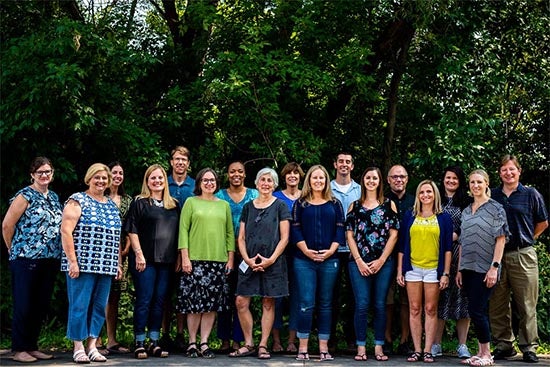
(520, 280)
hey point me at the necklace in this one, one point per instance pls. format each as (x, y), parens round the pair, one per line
(159, 203)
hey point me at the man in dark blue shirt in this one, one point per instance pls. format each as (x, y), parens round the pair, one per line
(527, 219)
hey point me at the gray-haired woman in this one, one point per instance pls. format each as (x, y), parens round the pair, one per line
(263, 236)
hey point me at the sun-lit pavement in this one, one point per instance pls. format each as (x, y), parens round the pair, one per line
(65, 359)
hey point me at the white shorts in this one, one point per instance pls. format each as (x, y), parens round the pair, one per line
(421, 275)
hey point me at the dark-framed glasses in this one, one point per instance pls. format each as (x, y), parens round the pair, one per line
(208, 180)
(398, 177)
(46, 173)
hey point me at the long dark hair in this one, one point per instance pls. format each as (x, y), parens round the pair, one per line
(460, 198)
(121, 190)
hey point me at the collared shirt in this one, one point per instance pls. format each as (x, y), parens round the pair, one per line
(346, 198)
(183, 191)
(406, 202)
(524, 209)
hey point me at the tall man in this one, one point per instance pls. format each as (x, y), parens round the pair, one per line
(345, 189)
(527, 219)
(397, 180)
(181, 187)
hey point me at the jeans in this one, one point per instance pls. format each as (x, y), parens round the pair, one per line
(315, 279)
(372, 289)
(151, 287)
(478, 303)
(88, 295)
(32, 288)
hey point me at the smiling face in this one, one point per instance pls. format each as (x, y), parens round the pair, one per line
(478, 185)
(343, 165)
(43, 175)
(398, 178)
(155, 181)
(99, 182)
(179, 163)
(265, 184)
(318, 181)
(118, 175)
(451, 182)
(371, 180)
(236, 174)
(208, 183)
(426, 196)
(292, 179)
(509, 174)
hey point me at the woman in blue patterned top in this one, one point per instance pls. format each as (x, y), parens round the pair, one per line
(31, 233)
(317, 230)
(90, 234)
(371, 230)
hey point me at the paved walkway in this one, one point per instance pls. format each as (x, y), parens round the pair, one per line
(65, 359)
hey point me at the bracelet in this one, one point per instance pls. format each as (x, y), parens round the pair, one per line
(137, 251)
(357, 257)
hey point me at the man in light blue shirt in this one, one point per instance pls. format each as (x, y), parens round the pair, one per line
(345, 189)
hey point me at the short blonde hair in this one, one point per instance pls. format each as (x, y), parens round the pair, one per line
(94, 169)
(437, 209)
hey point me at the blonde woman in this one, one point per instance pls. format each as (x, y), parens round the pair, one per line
(152, 226)
(317, 230)
(423, 264)
(483, 235)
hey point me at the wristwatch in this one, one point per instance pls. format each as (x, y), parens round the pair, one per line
(496, 264)
(445, 275)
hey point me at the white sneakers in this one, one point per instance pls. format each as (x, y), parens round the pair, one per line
(462, 351)
(436, 350)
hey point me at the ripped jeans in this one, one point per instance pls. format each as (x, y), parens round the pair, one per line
(315, 285)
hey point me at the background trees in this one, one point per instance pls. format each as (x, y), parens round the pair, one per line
(423, 83)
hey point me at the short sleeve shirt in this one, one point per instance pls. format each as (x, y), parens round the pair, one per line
(237, 208)
(371, 228)
(37, 232)
(96, 236)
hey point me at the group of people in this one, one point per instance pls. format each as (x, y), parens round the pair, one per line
(212, 250)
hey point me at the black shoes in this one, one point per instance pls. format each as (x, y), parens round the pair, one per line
(530, 357)
(499, 354)
(387, 348)
(404, 350)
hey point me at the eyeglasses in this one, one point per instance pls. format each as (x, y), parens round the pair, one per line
(47, 173)
(208, 180)
(259, 217)
(398, 177)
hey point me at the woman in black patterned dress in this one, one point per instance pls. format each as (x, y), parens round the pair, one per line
(453, 304)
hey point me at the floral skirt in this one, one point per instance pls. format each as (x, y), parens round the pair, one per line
(204, 290)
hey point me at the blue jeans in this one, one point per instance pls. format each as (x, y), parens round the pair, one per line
(32, 287)
(315, 279)
(88, 295)
(478, 303)
(151, 287)
(366, 289)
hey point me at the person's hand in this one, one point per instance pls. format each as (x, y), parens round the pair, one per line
(491, 277)
(140, 262)
(261, 263)
(74, 270)
(375, 266)
(186, 266)
(400, 279)
(118, 275)
(363, 268)
(443, 282)
(322, 255)
(458, 280)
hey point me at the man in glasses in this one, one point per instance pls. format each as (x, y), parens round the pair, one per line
(397, 180)
(181, 187)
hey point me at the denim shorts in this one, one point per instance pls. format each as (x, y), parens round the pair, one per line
(421, 275)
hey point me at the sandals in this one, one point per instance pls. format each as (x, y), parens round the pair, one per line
(302, 356)
(428, 357)
(118, 349)
(291, 348)
(325, 356)
(192, 351)
(361, 357)
(263, 353)
(156, 351)
(250, 349)
(414, 357)
(80, 357)
(206, 352)
(95, 356)
(381, 357)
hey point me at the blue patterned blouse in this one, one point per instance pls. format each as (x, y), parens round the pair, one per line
(237, 208)
(37, 234)
(96, 236)
(371, 228)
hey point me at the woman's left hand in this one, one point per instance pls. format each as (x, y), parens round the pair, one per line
(375, 266)
(443, 282)
(491, 277)
(119, 273)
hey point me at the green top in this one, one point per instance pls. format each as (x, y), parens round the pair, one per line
(206, 229)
